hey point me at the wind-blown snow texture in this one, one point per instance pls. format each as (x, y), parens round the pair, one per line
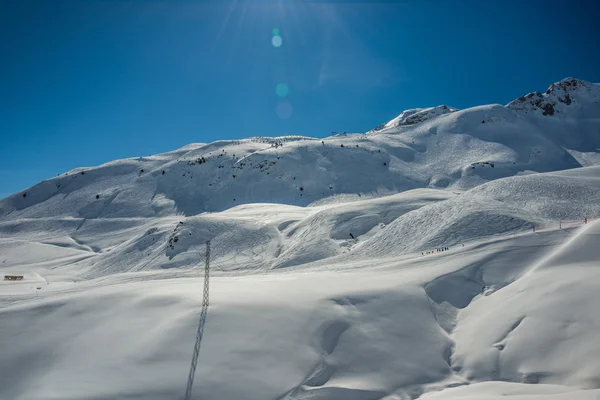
(327, 279)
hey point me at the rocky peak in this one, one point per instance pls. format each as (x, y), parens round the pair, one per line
(559, 97)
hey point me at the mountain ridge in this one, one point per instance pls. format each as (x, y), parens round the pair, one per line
(441, 147)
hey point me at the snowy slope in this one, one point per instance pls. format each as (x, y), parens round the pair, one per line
(503, 206)
(458, 149)
(415, 116)
(327, 279)
(384, 331)
(554, 299)
(261, 237)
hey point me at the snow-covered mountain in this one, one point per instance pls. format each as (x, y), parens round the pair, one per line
(415, 116)
(443, 148)
(568, 98)
(329, 279)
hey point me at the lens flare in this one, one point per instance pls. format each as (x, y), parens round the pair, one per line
(275, 32)
(284, 110)
(282, 89)
(277, 41)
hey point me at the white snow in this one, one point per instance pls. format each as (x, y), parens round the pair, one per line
(415, 116)
(569, 97)
(327, 281)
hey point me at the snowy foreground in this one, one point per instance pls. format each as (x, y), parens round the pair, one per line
(517, 309)
(326, 278)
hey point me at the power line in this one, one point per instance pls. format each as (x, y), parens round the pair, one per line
(203, 313)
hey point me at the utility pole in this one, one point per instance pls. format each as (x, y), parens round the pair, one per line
(203, 313)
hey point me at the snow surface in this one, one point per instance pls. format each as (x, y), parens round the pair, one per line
(415, 116)
(327, 281)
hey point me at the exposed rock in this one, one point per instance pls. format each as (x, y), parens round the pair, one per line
(559, 97)
(548, 109)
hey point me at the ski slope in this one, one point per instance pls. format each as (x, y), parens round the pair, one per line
(327, 279)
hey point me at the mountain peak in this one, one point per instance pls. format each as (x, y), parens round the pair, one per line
(561, 97)
(414, 116)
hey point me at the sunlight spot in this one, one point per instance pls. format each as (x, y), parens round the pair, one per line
(277, 41)
(282, 90)
(284, 110)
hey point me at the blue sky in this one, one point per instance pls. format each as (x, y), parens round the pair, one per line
(86, 82)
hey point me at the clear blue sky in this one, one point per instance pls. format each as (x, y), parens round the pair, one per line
(88, 81)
